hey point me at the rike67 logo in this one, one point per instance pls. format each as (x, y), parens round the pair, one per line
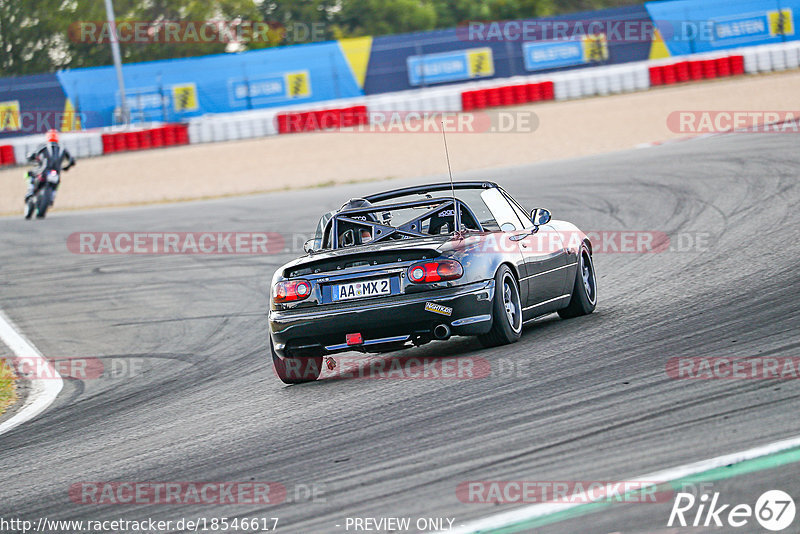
(774, 510)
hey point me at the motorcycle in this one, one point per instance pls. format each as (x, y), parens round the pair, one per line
(44, 186)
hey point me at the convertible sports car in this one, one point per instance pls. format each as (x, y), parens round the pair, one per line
(412, 265)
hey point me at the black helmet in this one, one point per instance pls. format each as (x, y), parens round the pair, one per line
(355, 203)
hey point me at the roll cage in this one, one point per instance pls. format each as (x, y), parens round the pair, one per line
(345, 226)
(441, 212)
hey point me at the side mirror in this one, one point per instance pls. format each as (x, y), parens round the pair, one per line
(540, 216)
(308, 246)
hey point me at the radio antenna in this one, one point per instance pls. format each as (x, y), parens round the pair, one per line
(452, 185)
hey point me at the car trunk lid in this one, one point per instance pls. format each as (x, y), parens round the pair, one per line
(380, 256)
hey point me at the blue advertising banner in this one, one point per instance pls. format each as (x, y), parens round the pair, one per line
(539, 56)
(178, 89)
(148, 103)
(450, 66)
(743, 30)
(410, 60)
(175, 90)
(690, 26)
(267, 90)
(260, 89)
(32, 104)
(555, 54)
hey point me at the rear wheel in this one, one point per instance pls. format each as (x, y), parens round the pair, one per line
(296, 370)
(584, 290)
(506, 311)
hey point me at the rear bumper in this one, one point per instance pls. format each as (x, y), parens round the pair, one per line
(382, 322)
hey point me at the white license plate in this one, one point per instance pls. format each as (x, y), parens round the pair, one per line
(364, 288)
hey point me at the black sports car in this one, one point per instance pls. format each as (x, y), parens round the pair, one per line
(423, 263)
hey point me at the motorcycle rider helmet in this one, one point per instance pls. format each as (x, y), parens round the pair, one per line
(52, 136)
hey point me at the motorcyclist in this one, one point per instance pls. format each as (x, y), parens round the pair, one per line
(48, 157)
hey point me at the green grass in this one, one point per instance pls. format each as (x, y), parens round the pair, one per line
(8, 394)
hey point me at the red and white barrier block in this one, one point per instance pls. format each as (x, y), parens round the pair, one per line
(691, 70)
(322, 119)
(7, 155)
(161, 136)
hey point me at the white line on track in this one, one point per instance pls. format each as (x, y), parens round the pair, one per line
(534, 511)
(43, 390)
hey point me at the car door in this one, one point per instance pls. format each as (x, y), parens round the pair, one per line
(512, 230)
(546, 264)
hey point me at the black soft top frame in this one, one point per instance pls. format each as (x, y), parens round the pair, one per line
(430, 188)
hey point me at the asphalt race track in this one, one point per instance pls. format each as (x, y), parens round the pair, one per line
(583, 399)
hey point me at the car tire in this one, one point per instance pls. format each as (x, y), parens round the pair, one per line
(584, 290)
(506, 311)
(296, 370)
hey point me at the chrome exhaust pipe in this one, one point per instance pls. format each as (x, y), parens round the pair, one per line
(441, 331)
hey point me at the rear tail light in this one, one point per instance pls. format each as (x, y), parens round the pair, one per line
(435, 271)
(291, 290)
